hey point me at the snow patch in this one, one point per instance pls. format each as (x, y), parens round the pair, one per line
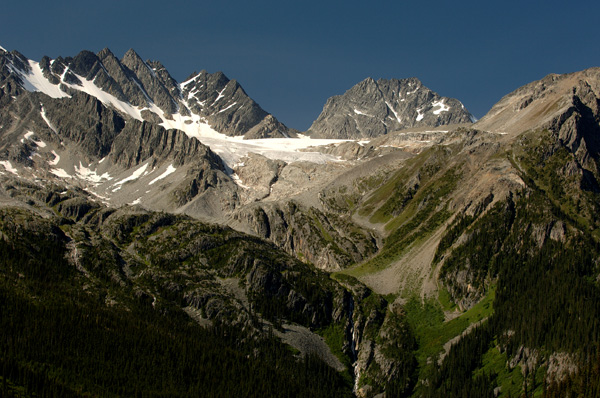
(136, 174)
(35, 80)
(443, 107)
(90, 88)
(90, 175)
(104, 198)
(170, 170)
(43, 113)
(238, 181)
(419, 115)
(9, 167)
(185, 83)
(220, 94)
(223, 110)
(136, 202)
(60, 173)
(56, 159)
(28, 135)
(40, 144)
(362, 113)
(394, 112)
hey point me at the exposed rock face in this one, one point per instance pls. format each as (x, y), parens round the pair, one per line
(94, 129)
(567, 105)
(227, 108)
(140, 141)
(12, 85)
(269, 127)
(546, 103)
(152, 85)
(374, 108)
(579, 128)
(258, 174)
(148, 86)
(325, 240)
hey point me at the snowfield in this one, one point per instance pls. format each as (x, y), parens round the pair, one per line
(231, 149)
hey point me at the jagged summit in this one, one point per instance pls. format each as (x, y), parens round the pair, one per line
(146, 91)
(119, 127)
(374, 108)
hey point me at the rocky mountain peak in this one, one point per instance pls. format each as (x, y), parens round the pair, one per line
(85, 64)
(17, 60)
(224, 104)
(131, 58)
(146, 91)
(374, 108)
(366, 84)
(545, 103)
(105, 52)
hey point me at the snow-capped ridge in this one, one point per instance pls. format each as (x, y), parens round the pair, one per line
(34, 80)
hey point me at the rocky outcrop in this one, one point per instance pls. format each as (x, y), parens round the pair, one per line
(95, 128)
(11, 83)
(269, 127)
(579, 127)
(374, 108)
(378, 340)
(152, 86)
(140, 141)
(224, 104)
(566, 105)
(258, 174)
(325, 240)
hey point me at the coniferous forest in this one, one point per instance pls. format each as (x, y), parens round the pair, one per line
(58, 340)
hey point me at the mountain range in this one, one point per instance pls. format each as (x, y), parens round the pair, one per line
(397, 247)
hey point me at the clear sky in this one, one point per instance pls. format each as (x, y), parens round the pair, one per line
(290, 56)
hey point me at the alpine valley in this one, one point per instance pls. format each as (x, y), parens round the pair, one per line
(164, 239)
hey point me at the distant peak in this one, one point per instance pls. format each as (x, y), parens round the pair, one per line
(131, 54)
(83, 62)
(3, 49)
(368, 80)
(220, 75)
(193, 76)
(105, 52)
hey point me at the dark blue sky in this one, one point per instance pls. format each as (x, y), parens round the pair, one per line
(291, 56)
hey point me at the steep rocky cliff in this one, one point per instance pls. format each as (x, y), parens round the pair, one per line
(374, 108)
